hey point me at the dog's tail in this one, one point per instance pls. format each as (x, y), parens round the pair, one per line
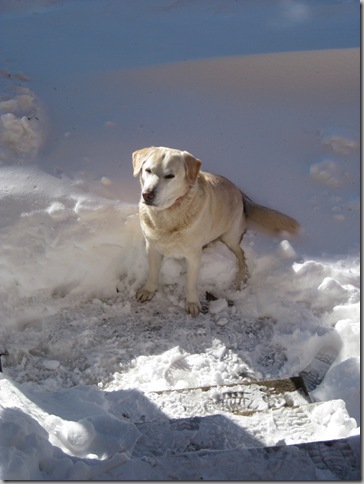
(269, 219)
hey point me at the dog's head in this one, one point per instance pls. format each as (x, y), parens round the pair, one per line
(166, 174)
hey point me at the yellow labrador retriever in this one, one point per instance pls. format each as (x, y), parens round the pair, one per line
(182, 209)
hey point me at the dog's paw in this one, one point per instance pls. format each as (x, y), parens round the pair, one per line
(144, 295)
(193, 308)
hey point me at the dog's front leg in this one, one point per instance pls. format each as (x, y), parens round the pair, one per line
(193, 271)
(154, 261)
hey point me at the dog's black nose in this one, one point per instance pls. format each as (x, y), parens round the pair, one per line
(148, 196)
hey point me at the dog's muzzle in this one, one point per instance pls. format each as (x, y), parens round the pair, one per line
(148, 197)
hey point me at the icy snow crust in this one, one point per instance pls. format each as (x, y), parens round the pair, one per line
(86, 365)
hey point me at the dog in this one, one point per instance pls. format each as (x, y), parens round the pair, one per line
(182, 209)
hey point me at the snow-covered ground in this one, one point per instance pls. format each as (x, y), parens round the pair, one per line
(265, 93)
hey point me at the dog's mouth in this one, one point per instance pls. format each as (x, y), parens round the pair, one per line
(148, 202)
(172, 203)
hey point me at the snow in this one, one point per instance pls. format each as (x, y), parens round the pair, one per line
(86, 368)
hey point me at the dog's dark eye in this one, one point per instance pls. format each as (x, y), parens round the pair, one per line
(148, 170)
(168, 177)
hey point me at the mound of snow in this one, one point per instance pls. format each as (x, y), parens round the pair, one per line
(23, 127)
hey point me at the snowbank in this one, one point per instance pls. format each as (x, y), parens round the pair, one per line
(71, 263)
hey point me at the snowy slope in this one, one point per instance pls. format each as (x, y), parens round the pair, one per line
(85, 363)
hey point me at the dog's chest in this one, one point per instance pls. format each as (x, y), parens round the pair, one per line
(171, 237)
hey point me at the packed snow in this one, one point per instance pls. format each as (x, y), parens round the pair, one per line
(84, 365)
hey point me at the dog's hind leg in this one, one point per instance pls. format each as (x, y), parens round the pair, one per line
(232, 240)
(242, 273)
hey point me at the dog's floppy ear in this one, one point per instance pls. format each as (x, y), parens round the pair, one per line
(193, 166)
(139, 157)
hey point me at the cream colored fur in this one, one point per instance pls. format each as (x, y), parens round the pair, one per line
(182, 209)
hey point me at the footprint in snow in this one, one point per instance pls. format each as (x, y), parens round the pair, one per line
(315, 372)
